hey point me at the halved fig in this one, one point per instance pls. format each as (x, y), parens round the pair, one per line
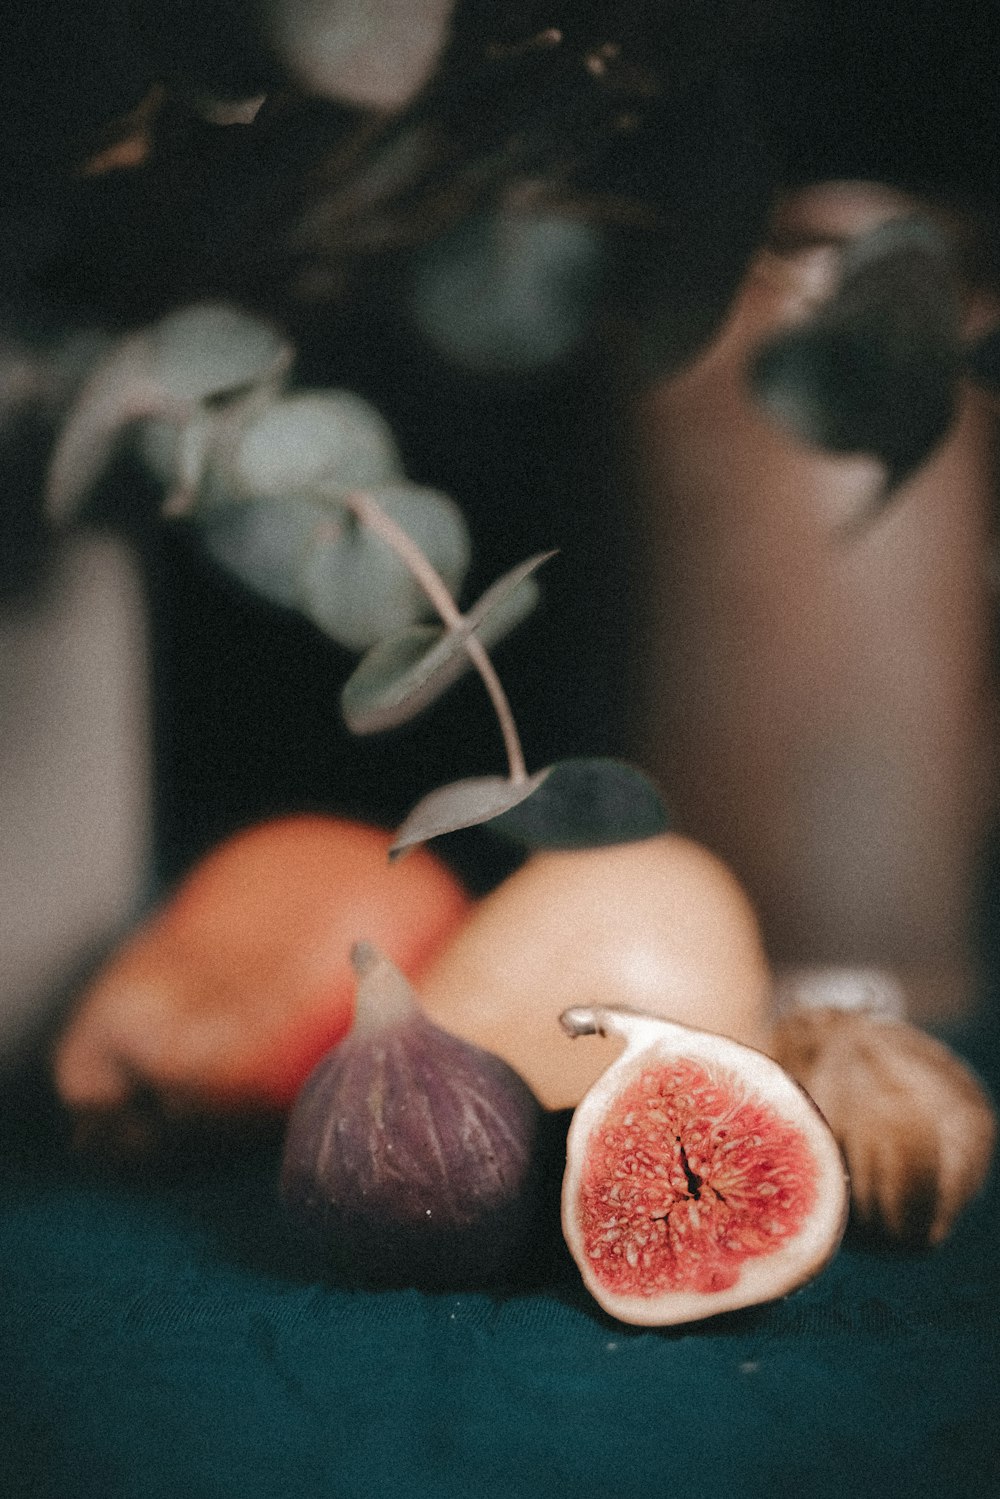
(700, 1177)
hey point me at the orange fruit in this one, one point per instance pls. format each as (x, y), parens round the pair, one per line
(233, 989)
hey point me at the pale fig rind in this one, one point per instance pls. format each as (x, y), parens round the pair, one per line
(744, 1250)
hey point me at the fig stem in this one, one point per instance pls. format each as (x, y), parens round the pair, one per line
(581, 1021)
(363, 958)
(384, 995)
(371, 513)
(634, 1027)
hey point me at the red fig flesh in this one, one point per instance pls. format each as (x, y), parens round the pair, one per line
(700, 1177)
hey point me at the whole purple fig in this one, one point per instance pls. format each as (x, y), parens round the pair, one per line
(409, 1154)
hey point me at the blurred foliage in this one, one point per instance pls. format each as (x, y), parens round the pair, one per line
(643, 119)
(875, 369)
(631, 150)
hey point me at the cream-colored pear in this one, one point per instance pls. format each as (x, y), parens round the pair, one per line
(659, 925)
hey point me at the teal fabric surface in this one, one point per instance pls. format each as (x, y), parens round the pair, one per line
(156, 1342)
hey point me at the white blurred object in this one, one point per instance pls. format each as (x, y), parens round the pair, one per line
(876, 991)
(75, 821)
(372, 53)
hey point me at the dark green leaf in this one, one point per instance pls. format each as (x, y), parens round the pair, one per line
(586, 804)
(875, 371)
(983, 362)
(403, 674)
(462, 804)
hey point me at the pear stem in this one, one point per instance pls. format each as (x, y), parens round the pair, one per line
(371, 513)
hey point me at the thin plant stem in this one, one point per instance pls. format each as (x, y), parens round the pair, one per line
(370, 512)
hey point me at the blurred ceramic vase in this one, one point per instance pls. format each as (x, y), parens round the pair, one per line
(74, 775)
(814, 683)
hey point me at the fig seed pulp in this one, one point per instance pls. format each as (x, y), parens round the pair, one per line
(673, 1191)
(700, 1178)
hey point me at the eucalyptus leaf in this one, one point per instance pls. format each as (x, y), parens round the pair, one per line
(119, 391)
(403, 674)
(179, 454)
(373, 54)
(399, 676)
(266, 543)
(586, 803)
(210, 348)
(462, 804)
(982, 362)
(875, 370)
(507, 601)
(159, 375)
(332, 437)
(358, 590)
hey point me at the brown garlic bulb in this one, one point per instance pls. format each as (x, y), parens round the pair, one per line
(915, 1124)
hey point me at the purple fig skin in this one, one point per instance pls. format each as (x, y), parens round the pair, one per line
(408, 1158)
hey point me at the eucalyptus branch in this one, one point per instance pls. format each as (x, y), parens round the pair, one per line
(260, 477)
(370, 512)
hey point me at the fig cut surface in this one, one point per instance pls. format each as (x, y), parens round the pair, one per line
(700, 1177)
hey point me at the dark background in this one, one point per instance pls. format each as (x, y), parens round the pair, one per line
(152, 1340)
(246, 718)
